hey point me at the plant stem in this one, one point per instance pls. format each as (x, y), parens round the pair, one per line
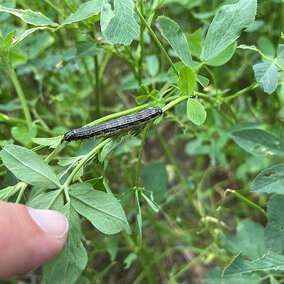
(20, 92)
(189, 264)
(247, 201)
(141, 45)
(140, 155)
(97, 88)
(250, 87)
(23, 187)
(174, 102)
(55, 7)
(156, 39)
(84, 160)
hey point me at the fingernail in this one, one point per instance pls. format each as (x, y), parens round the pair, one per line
(51, 222)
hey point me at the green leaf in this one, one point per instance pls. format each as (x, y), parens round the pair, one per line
(127, 146)
(106, 15)
(51, 142)
(155, 178)
(150, 202)
(10, 191)
(224, 56)
(26, 33)
(47, 200)
(203, 81)
(196, 112)
(269, 262)
(187, 80)
(85, 11)
(69, 264)
(259, 142)
(248, 47)
(21, 134)
(129, 260)
(266, 46)
(194, 41)
(176, 38)
(153, 65)
(214, 276)
(28, 167)
(122, 27)
(274, 234)
(172, 76)
(266, 75)
(226, 27)
(270, 180)
(139, 227)
(29, 16)
(250, 239)
(87, 48)
(280, 51)
(103, 210)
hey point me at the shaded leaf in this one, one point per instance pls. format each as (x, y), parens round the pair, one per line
(194, 41)
(270, 180)
(214, 276)
(274, 233)
(268, 262)
(250, 239)
(52, 142)
(18, 39)
(10, 191)
(155, 178)
(259, 142)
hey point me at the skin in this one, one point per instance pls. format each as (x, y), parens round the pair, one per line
(28, 238)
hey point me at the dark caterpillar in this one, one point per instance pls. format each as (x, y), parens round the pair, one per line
(112, 127)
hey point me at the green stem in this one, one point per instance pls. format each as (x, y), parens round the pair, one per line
(155, 8)
(213, 78)
(247, 201)
(249, 88)
(55, 7)
(171, 158)
(97, 87)
(55, 152)
(140, 155)
(141, 45)
(19, 197)
(189, 264)
(174, 102)
(156, 39)
(20, 92)
(84, 160)
(203, 96)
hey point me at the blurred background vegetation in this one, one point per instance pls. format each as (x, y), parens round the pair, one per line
(71, 77)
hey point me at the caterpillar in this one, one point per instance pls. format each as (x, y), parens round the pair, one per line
(114, 126)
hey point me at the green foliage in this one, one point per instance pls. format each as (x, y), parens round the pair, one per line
(102, 209)
(175, 198)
